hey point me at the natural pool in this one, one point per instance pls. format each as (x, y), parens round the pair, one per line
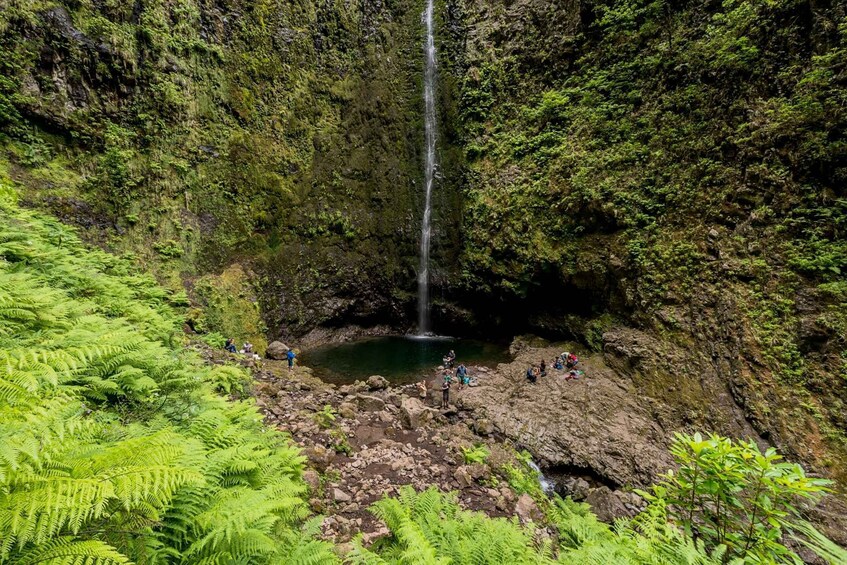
(401, 360)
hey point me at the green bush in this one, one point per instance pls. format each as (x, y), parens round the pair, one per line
(732, 495)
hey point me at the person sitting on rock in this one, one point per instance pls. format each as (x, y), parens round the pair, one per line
(572, 361)
(557, 364)
(530, 375)
(445, 392)
(230, 345)
(573, 374)
(247, 348)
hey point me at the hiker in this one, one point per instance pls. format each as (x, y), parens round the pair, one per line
(572, 361)
(247, 348)
(573, 374)
(462, 376)
(557, 364)
(542, 368)
(445, 392)
(450, 359)
(421, 388)
(530, 375)
(290, 355)
(230, 345)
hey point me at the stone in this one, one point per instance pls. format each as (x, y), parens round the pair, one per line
(607, 504)
(402, 464)
(277, 350)
(369, 537)
(527, 510)
(347, 410)
(463, 477)
(483, 427)
(377, 382)
(339, 495)
(312, 480)
(319, 456)
(370, 403)
(413, 413)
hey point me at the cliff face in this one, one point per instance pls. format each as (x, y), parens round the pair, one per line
(663, 181)
(197, 133)
(674, 167)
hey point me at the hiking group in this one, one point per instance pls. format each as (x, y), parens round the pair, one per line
(247, 349)
(462, 376)
(566, 361)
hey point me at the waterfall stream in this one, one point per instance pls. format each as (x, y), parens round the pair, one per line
(431, 126)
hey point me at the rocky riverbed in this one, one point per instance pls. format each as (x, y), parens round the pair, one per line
(598, 436)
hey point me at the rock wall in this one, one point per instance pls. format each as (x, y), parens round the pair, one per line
(197, 133)
(671, 172)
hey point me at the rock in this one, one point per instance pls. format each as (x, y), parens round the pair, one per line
(463, 477)
(483, 427)
(370, 403)
(347, 410)
(413, 413)
(402, 464)
(377, 382)
(320, 456)
(277, 350)
(369, 537)
(606, 504)
(312, 480)
(527, 510)
(394, 399)
(339, 495)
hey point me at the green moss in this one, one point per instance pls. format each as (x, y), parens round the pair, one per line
(230, 308)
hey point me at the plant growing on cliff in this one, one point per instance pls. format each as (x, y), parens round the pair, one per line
(732, 494)
(475, 454)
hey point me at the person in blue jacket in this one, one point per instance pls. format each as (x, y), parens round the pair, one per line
(291, 355)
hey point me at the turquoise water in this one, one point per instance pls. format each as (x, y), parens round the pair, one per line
(401, 360)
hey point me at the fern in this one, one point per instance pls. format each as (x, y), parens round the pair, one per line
(113, 446)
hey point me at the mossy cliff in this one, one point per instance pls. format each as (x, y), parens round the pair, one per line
(661, 180)
(195, 134)
(675, 167)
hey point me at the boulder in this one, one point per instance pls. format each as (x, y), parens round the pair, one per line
(339, 495)
(312, 480)
(347, 410)
(607, 504)
(377, 382)
(319, 456)
(463, 477)
(370, 403)
(527, 510)
(277, 350)
(483, 427)
(413, 413)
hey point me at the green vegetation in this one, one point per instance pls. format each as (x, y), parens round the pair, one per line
(475, 454)
(679, 166)
(283, 135)
(115, 447)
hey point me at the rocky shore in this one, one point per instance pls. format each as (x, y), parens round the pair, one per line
(596, 438)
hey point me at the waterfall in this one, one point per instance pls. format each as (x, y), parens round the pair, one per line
(431, 126)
